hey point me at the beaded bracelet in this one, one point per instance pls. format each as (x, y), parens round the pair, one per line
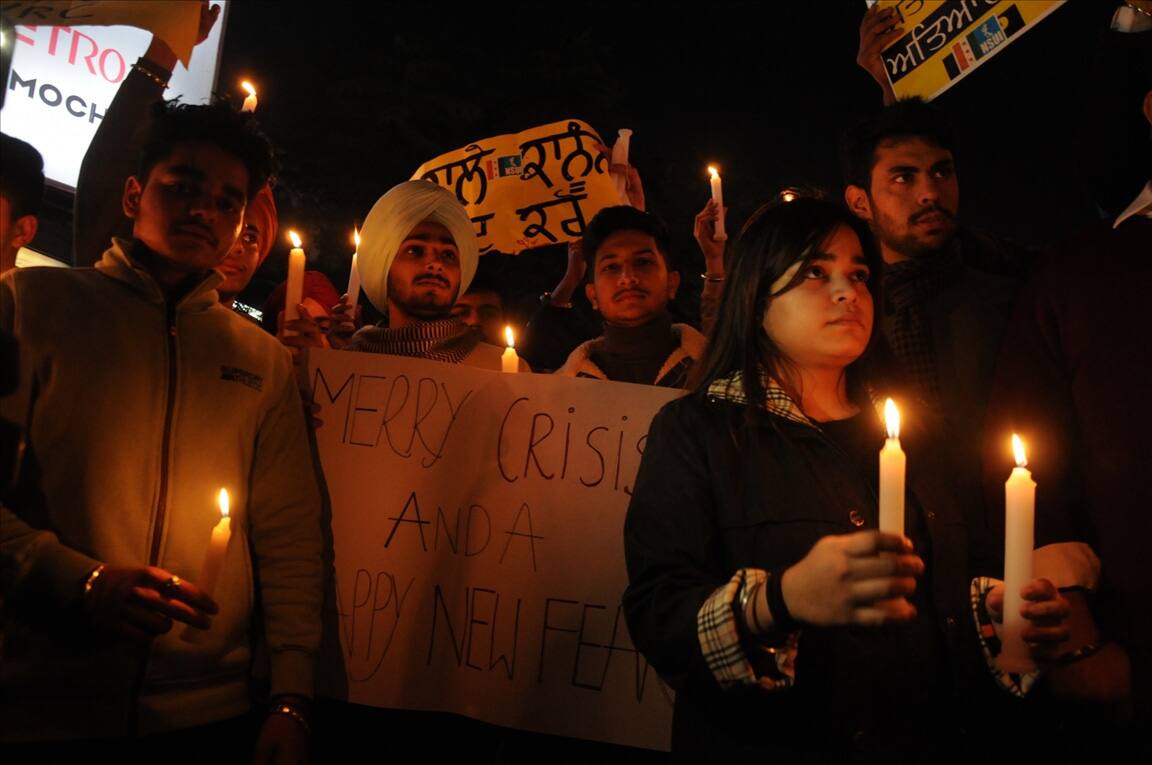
(90, 580)
(291, 710)
(152, 72)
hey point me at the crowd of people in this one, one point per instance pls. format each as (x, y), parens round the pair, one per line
(760, 586)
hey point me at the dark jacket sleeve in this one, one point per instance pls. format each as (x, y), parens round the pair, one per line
(669, 544)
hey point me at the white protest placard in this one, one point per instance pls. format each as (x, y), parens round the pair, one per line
(478, 527)
(64, 77)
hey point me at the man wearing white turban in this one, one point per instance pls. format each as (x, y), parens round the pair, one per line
(418, 251)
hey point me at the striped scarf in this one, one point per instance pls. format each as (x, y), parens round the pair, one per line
(443, 340)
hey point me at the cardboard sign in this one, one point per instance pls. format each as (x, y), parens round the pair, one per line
(528, 189)
(478, 524)
(946, 40)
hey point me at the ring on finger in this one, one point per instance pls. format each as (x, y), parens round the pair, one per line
(171, 588)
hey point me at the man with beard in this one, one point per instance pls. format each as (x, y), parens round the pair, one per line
(947, 292)
(418, 251)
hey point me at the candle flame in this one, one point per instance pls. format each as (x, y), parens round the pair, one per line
(356, 237)
(1018, 451)
(248, 87)
(892, 418)
(712, 171)
(787, 195)
(509, 337)
(295, 239)
(222, 501)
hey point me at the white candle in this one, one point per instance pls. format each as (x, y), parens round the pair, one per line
(294, 292)
(249, 102)
(620, 157)
(354, 276)
(217, 547)
(1019, 515)
(718, 198)
(892, 467)
(509, 362)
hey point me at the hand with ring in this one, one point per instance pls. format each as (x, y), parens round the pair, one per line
(141, 602)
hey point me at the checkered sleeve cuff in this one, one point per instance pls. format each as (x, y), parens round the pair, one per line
(989, 634)
(734, 658)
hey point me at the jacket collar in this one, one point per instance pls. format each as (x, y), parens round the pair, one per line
(580, 362)
(776, 400)
(117, 263)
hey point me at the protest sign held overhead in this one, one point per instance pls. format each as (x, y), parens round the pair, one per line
(945, 40)
(528, 189)
(479, 568)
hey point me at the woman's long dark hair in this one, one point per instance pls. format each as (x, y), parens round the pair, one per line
(777, 236)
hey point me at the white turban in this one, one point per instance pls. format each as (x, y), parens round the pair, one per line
(401, 209)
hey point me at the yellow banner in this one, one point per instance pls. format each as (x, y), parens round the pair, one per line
(945, 40)
(176, 22)
(528, 189)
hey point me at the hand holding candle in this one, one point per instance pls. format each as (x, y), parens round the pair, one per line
(249, 102)
(213, 562)
(1019, 515)
(892, 469)
(718, 198)
(509, 362)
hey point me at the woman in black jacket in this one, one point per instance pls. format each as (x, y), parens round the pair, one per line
(760, 589)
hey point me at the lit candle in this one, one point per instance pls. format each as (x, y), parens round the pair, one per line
(620, 157)
(250, 101)
(509, 362)
(294, 293)
(217, 547)
(1019, 514)
(718, 198)
(892, 466)
(354, 275)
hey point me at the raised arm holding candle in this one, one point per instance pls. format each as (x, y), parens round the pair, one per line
(718, 198)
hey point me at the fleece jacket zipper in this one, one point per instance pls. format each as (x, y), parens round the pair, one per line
(165, 447)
